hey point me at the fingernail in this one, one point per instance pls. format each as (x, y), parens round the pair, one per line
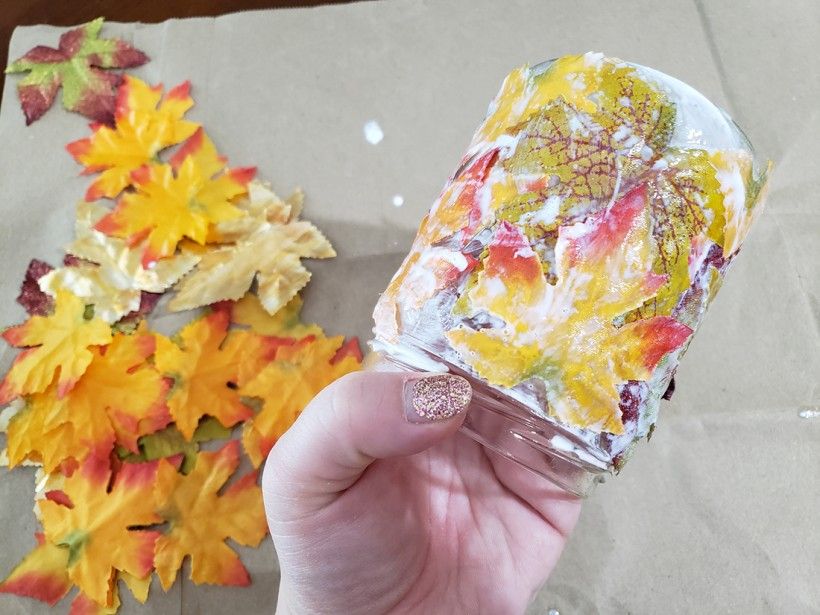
(435, 398)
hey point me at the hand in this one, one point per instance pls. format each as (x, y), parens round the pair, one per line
(374, 508)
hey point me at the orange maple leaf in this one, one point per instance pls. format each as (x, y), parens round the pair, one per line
(178, 200)
(201, 366)
(144, 126)
(200, 520)
(288, 383)
(59, 347)
(95, 526)
(119, 398)
(566, 334)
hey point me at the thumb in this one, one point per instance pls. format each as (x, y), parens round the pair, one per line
(361, 417)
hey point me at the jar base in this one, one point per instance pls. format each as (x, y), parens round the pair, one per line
(530, 445)
(504, 426)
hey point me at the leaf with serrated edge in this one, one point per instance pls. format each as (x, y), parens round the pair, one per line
(76, 67)
(58, 348)
(272, 249)
(200, 520)
(144, 126)
(113, 279)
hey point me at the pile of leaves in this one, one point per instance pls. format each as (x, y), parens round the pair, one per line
(113, 412)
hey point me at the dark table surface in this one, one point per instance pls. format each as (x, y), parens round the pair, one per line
(15, 13)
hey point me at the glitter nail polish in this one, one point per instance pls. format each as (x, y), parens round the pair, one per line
(435, 398)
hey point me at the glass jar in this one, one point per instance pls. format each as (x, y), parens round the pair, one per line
(570, 258)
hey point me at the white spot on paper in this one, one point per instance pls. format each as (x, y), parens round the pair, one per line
(398, 200)
(373, 133)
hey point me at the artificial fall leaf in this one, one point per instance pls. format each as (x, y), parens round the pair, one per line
(76, 66)
(683, 197)
(200, 520)
(286, 322)
(169, 442)
(288, 383)
(129, 390)
(425, 271)
(111, 275)
(96, 528)
(564, 334)
(587, 127)
(272, 248)
(118, 399)
(459, 206)
(33, 437)
(582, 157)
(743, 193)
(386, 314)
(181, 199)
(607, 89)
(58, 347)
(9, 411)
(129, 322)
(139, 586)
(41, 575)
(261, 205)
(201, 366)
(83, 605)
(143, 127)
(31, 297)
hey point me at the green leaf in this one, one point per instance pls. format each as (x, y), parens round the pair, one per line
(76, 66)
(170, 441)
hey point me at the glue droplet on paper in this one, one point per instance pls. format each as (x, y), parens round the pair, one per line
(553, 612)
(398, 200)
(373, 133)
(809, 412)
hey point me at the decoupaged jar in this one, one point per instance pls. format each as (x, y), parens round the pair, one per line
(568, 261)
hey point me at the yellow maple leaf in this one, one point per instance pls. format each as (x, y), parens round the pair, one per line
(564, 334)
(58, 347)
(96, 528)
(177, 200)
(119, 398)
(201, 370)
(272, 247)
(200, 519)
(286, 322)
(287, 384)
(113, 278)
(144, 126)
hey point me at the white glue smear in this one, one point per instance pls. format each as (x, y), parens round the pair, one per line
(809, 412)
(398, 200)
(373, 133)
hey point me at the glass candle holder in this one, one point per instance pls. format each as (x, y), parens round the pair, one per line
(570, 258)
